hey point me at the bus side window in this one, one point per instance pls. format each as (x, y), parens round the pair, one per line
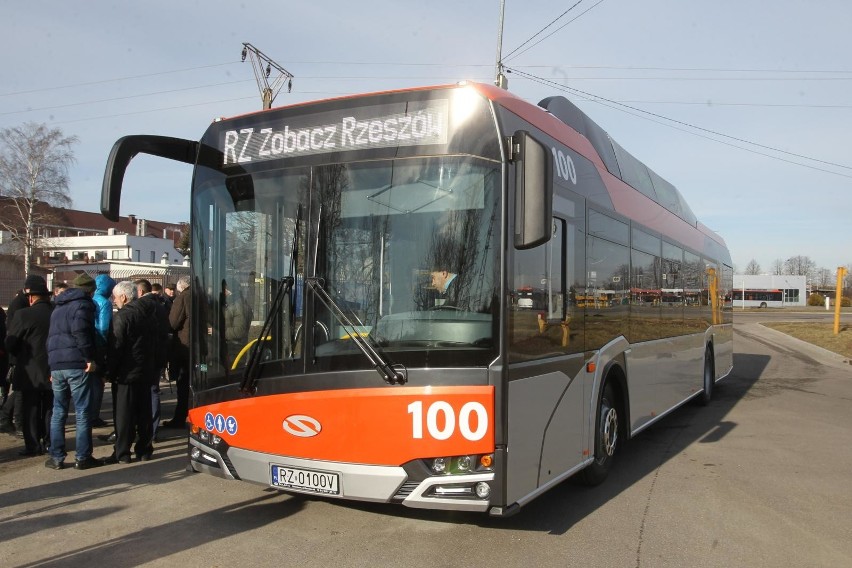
(538, 325)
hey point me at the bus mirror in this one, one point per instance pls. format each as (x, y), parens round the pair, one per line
(533, 191)
(125, 150)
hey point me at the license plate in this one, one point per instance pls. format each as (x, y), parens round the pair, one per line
(306, 480)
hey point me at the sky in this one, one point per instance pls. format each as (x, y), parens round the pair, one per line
(742, 104)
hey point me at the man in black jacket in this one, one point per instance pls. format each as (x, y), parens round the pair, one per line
(11, 413)
(154, 305)
(131, 366)
(27, 341)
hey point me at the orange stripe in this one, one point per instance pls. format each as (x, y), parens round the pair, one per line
(371, 426)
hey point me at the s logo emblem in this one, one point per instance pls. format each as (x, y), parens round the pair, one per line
(302, 426)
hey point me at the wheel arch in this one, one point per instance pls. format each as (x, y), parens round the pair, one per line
(615, 373)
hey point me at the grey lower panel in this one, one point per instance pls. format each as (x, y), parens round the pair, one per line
(546, 436)
(661, 374)
(357, 481)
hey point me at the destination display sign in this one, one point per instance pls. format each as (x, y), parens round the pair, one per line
(414, 123)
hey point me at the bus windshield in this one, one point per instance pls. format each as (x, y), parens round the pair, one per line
(404, 248)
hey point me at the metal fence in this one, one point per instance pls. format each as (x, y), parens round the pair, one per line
(12, 274)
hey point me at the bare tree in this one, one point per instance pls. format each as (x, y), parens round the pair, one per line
(824, 278)
(752, 268)
(777, 267)
(34, 162)
(185, 242)
(800, 266)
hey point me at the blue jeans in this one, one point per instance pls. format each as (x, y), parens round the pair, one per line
(70, 384)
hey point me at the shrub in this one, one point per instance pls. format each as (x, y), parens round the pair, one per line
(846, 302)
(816, 300)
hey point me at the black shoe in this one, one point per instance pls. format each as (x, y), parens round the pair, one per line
(7, 429)
(107, 437)
(53, 464)
(30, 452)
(99, 423)
(146, 457)
(87, 463)
(174, 424)
(113, 459)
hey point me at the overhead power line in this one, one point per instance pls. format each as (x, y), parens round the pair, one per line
(113, 99)
(645, 114)
(102, 81)
(132, 113)
(580, 15)
(539, 32)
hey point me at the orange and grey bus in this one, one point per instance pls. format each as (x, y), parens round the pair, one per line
(356, 331)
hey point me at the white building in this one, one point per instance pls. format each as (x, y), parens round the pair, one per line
(769, 291)
(97, 248)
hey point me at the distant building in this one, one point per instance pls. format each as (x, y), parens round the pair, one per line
(71, 241)
(769, 291)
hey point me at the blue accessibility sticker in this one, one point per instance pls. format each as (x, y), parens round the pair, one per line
(208, 421)
(231, 425)
(220, 423)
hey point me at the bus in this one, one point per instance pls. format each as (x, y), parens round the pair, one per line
(757, 298)
(358, 377)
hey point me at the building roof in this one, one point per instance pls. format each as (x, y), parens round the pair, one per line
(91, 223)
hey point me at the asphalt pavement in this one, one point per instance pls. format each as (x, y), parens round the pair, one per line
(759, 478)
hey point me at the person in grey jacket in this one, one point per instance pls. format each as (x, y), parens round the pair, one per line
(132, 368)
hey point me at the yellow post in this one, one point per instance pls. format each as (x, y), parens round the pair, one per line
(714, 295)
(566, 332)
(838, 298)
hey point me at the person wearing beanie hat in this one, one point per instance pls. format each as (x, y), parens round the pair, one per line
(85, 283)
(71, 354)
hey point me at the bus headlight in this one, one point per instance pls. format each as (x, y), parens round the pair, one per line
(482, 489)
(460, 465)
(439, 465)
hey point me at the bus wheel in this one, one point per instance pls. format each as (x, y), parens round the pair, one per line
(606, 438)
(762, 304)
(709, 377)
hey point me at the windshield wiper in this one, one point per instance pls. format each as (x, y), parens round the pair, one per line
(252, 368)
(392, 374)
(285, 287)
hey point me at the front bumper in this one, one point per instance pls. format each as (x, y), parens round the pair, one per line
(359, 482)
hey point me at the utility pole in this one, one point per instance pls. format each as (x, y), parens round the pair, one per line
(263, 67)
(501, 80)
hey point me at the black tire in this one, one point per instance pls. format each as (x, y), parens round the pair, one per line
(607, 439)
(762, 304)
(709, 378)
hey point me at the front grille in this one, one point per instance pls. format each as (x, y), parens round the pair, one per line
(405, 490)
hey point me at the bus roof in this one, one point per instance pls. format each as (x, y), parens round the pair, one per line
(564, 121)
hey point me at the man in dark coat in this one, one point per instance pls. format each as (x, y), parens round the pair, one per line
(132, 365)
(4, 360)
(11, 413)
(179, 318)
(155, 307)
(27, 341)
(71, 355)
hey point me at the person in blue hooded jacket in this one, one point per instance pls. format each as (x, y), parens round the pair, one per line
(103, 318)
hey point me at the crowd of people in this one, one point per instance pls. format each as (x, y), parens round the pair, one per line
(65, 345)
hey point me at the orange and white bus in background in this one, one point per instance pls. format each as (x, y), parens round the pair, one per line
(356, 329)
